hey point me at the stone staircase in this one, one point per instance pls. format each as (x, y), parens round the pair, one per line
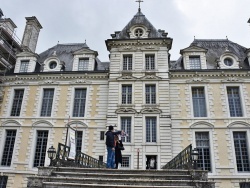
(67, 177)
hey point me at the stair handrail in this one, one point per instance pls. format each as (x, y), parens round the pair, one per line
(182, 161)
(81, 160)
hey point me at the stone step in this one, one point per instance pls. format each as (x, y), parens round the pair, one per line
(74, 185)
(123, 176)
(112, 181)
(122, 171)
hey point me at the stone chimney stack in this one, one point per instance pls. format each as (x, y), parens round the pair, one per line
(31, 33)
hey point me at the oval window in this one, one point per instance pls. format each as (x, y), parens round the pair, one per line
(138, 32)
(228, 61)
(52, 65)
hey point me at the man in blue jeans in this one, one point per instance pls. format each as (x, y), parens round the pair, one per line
(110, 143)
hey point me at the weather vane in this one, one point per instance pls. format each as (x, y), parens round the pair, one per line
(139, 1)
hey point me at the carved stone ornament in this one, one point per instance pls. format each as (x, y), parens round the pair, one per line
(196, 79)
(151, 110)
(126, 110)
(150, 47)
(127, 47)
(151, 76)
(48, 82)
(81, 81)
(126, 76)
(231, 79)
(19, 82)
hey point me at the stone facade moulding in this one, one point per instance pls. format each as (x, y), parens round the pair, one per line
(201, 125)
(126, 110)
(42, 123)
(77, 123)
(11, 123)
(151, 110)
(239, 125)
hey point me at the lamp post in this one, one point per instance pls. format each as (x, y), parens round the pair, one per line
(195, 155)
(51, 154)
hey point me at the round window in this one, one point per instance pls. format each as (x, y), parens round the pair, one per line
(138, 32)
(228, 61)
(52, 65)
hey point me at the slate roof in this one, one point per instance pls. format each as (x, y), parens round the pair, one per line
(65, 54)
(215, 49)
(140, 19)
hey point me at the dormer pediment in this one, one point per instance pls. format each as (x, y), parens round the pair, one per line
(193, 49)
(27, 54)
(85, 51)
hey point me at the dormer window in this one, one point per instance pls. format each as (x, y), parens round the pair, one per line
(138, 32)
(195, 62)
(52, 65)
(228, 61)
(24, 66)
(83, 64)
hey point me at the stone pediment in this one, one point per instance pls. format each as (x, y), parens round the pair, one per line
(126, 110)
(151, 110)
(150, 76)
(85, 51)
(127, 76)
(193, 49)
(27, 54)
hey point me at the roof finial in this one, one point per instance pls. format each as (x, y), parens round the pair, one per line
(139, 1)
(227, 37)
(85, 41)
(194, 37)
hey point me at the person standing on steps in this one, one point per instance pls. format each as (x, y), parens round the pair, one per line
(118, 151)
(110, 143)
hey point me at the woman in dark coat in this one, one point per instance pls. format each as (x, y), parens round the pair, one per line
(118, 153)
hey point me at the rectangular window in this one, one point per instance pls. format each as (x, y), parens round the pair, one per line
(127, 62)
(199, 102)
(195, 62)
(234, 102)
(203, 147)
(101, 158)
(79, 141)
(125, 162)
(41, 148)
(245, 185)
(150, 129)
(8, 147)
(17, 102)
(102, 135)
(126, 127)
(3, 181)
(150, 62)
(241, 151)
(48, 95)
(24, 66)
(127, 94)
(79, 103)
(83, 64)
(150, 94)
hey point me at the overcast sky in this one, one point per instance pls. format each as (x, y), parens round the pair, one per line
(94, 20)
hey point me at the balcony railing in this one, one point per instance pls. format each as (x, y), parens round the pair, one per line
(182, 161)
(81, 160)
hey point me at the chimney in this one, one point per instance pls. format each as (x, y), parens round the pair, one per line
(31, 33)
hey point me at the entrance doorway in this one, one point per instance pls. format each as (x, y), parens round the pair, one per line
(151, 161)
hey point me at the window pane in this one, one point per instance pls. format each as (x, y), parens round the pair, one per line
(17, 102)
(102, 133)
(126, 94)
(125, 162)
(203, 147)
(127, 62)
(150, 62)
(234, 101)
(79, 141)
(79, 103)
(8, 147)
(126, 126)
(83, 64)
(199, 102)
(241, 151)
(3, 181)
(41, 145)
(24, 66)
(150, 94)
(48, 95)
(150, 129)
(195, 62)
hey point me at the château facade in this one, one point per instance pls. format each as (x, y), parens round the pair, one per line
(203, 99)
